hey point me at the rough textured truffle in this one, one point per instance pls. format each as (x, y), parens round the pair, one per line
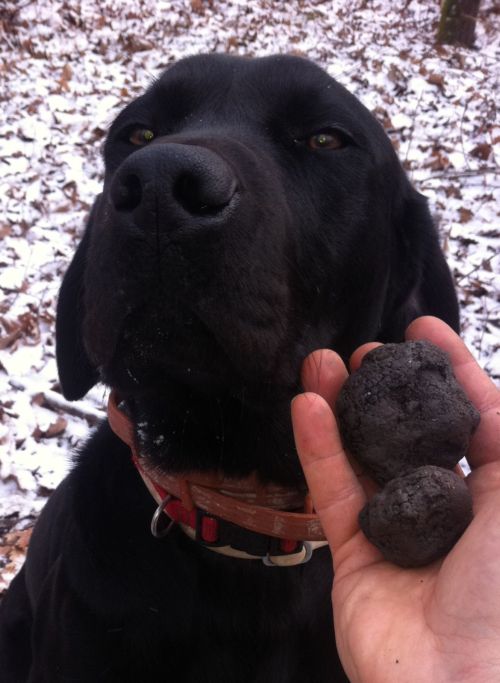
(404, 408)
(418, 518)
(404, 417)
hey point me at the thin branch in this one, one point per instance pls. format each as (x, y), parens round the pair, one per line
(54, 401)
(469, 173)
(476, 268)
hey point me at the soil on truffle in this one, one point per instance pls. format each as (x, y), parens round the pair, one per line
(418, 518)
(404, 408)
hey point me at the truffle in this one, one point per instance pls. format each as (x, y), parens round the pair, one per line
(417, 518)
(404, 417)
(404, 408)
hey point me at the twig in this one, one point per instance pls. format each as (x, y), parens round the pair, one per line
(469, 173)
(412, 129)
(476, 268)
(54, 401)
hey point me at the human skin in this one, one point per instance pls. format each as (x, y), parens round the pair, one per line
(436, 623)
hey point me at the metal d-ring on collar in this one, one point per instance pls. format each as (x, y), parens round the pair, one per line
(155, 530)
(307, 547)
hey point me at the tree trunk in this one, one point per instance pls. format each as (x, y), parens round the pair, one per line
(457, 25)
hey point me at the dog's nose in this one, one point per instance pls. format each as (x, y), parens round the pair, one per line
(174, 183)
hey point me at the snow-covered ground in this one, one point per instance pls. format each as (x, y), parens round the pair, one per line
(68, 67)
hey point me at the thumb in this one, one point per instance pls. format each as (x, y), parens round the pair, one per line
(335, 489)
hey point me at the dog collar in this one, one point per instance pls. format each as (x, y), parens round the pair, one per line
(241, 518)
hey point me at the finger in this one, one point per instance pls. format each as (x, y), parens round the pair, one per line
(324, 373)
(336, 492)
(479, 388)
(358, 355)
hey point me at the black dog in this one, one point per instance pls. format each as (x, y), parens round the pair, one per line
(252, 211)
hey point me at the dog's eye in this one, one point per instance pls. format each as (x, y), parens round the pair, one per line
(327, 139)
(141, 136)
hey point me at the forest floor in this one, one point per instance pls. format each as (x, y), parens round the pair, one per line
(67, 68)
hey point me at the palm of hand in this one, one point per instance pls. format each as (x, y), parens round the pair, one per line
(438, 623)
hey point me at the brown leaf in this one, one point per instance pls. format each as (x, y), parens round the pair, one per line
(439, 161)
(382, 115)
(9, 339)
(436, 79)
(5, 231)
(38, 399)
(231, 43)
(66, 75)
(199, 6)
(56, 428)
(135, 43)
(71, 191)
(465, 215)
(19, 539)
(481, 151)
(453, 191)
(30, 327)
(13, 548)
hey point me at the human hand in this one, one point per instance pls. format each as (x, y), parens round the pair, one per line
(433, 624)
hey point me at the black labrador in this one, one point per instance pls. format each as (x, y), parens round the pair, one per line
(252, 211)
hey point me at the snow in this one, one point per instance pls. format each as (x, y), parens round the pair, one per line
(68, 69)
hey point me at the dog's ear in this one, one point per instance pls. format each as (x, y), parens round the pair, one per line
(420, 282)
(76, 373)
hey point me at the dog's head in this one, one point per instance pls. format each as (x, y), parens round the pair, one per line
(252, 211)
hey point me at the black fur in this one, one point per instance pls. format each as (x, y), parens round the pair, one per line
(216, 258)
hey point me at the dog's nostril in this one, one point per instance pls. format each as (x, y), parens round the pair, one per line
(202, 195)
(127, 194)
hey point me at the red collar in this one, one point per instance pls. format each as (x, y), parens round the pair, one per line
(189, 499)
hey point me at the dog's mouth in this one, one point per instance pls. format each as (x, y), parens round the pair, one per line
(152, 348)
(197, 408)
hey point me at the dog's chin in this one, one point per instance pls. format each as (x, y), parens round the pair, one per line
(206, 419)
(184, 430)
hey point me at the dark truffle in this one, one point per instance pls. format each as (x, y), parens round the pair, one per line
(404, 408)
(404, 417)
(418, 518)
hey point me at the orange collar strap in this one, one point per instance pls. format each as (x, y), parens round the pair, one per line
(264, 509)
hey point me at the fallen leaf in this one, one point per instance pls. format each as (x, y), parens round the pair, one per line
(436, 79)
(465, 215)
(481, 151)
(66, 75)
(56, 428)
